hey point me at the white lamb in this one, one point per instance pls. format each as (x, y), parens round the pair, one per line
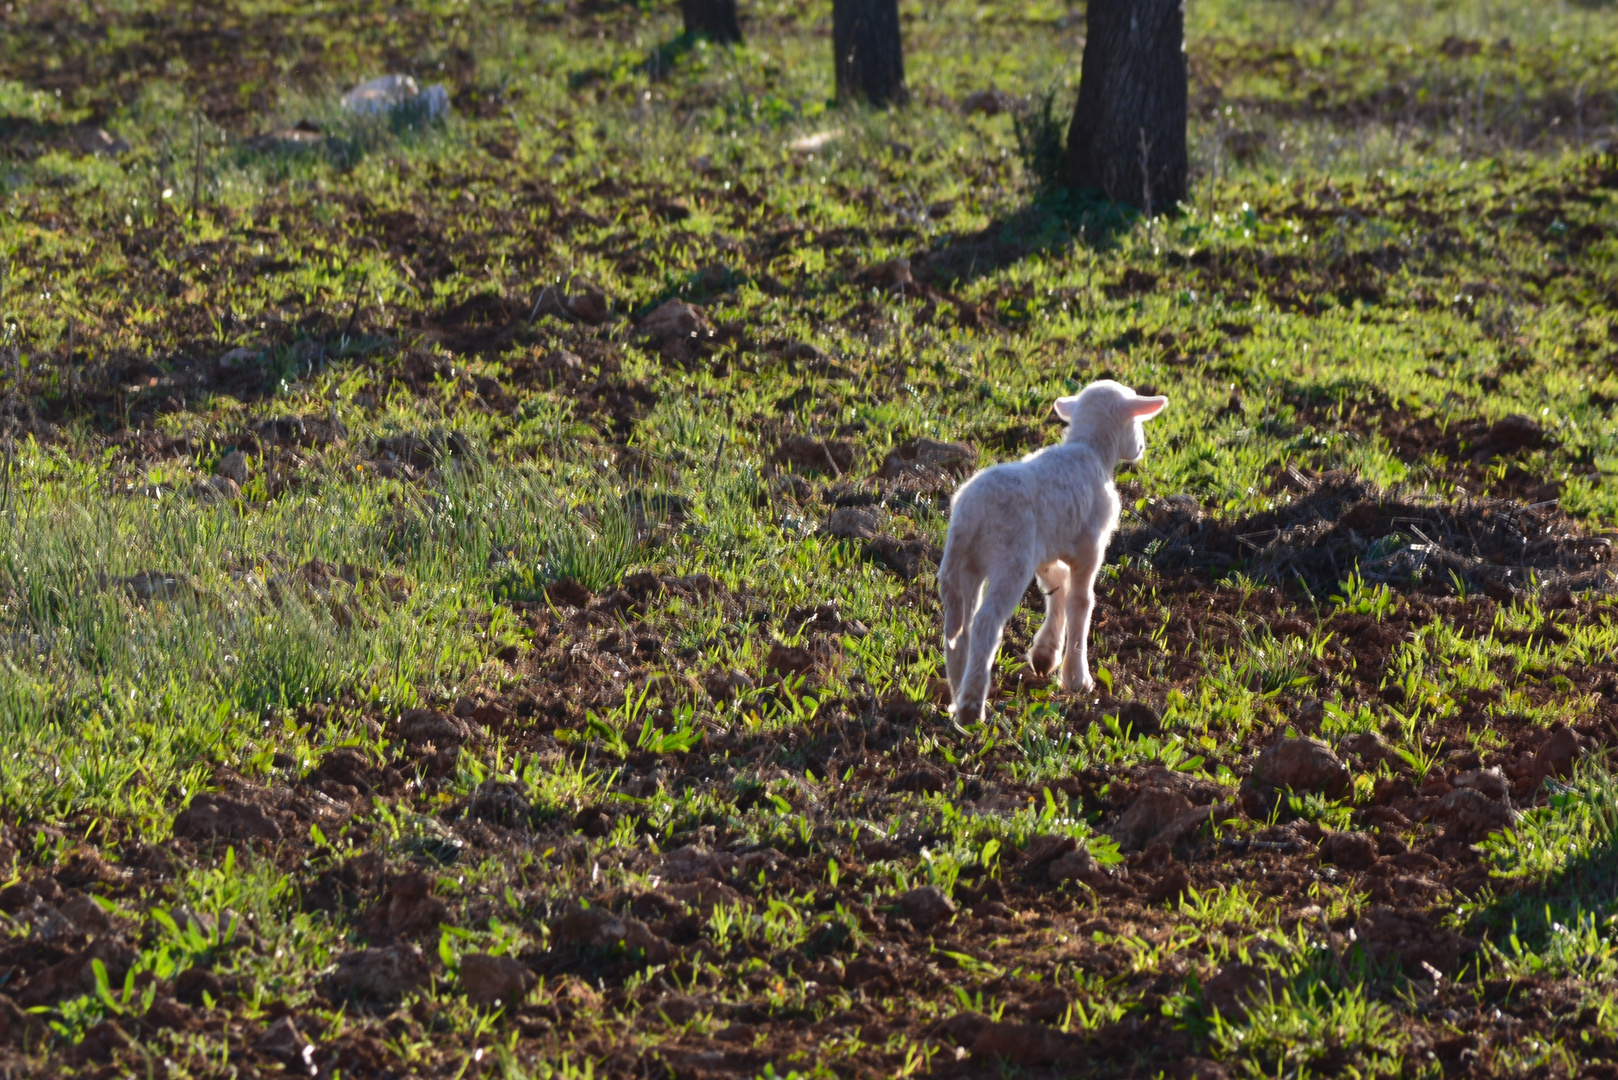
(1051, 515)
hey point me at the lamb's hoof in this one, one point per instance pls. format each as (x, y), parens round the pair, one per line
(1042, 663)
(1080, 684)
(965, 716)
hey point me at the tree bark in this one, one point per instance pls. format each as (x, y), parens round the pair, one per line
(869, 54)
(712, 19)
(1128, 132)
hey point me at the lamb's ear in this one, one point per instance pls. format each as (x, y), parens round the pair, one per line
(1144, 408)
(1065, 407)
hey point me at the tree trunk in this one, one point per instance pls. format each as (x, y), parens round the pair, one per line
(870, 57)
(712, 19)
(1128, 132)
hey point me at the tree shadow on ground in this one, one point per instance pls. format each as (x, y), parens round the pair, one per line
(1534, 908)
(1055, 220)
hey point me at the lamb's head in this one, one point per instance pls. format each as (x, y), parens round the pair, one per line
(1108, 415)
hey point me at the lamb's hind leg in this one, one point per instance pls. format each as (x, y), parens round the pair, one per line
(1046, 651)
(1000, 598)
(959, 598)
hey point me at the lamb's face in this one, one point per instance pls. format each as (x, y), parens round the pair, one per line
(1107, 407)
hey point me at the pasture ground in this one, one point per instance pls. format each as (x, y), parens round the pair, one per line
(419, 659)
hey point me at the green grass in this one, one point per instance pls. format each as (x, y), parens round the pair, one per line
(1400, 232)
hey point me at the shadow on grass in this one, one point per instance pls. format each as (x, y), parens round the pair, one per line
(1054, 221)
(1561, 867)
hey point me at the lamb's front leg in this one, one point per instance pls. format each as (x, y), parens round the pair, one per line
(1081, 602)
(1046, 651)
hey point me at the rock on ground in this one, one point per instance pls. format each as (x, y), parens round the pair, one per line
(674, 319)
(1491, 783)
(812, 455)
(380, 974)
(408, 909)
(928, 460)
(233, 466)
(219, 817)
(854, 523)
(494, 980)
(1154, 809)
(388, 93)
(430, 725)
(1303, 765)
(1350, 850)
(598, 928)
(1468, 814)
(926, 906)
(696, 863)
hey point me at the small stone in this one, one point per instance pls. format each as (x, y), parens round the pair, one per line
(1557, 754)
(1303, 765)
(219, 817)
(233, 466)
(1368, 746)
(1154, 809)
(813, 144)
(696, 863)
(1075, 865)
(1489, 782)
(216, 489)
(408, 909)
(854, 523)
(494, 980)
(380, 974)
(389, 93)
(87, 916)
(926, 905)
(812, 455)
(430, 725)
(589, 305)
(1350, 850)
(598, 928)
(675, 319)
(1471, 815)
(1046, 847)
